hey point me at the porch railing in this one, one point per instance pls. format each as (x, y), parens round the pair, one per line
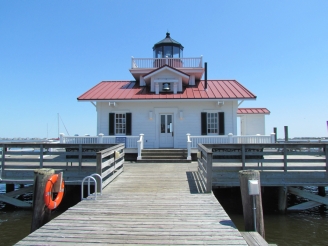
(195, 62)
(193, 141)
(129, 141)
(230, 138)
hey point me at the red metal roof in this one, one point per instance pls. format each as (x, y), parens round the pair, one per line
(253, 111)
(130, 90)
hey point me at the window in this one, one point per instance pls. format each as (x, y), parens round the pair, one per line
(212, 123)
(120, 120)
(120, 124)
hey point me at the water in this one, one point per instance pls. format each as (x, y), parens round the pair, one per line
(309, 227)
(15, 223)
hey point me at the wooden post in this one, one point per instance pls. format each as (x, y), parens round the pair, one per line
(286, 133)
(41, 214)
(321, 191)
(247, 201)
(275, 132)
(243, 158)
(99, 169)
(10, 187)
(282, 199)
(209, 166)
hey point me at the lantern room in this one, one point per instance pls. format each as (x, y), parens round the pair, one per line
(168, 48)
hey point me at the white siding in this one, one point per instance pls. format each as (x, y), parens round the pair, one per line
(252, 124)
(190, 122)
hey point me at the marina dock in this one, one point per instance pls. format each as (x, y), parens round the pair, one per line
(153, 204)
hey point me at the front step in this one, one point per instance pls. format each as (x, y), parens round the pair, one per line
(164, 155)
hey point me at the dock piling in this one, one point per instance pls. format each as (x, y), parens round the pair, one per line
(41, 214)
(248, 211)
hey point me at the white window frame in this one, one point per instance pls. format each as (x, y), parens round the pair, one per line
(212, 127)
(120, 124)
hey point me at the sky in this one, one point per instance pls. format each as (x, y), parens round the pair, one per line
(51, 52)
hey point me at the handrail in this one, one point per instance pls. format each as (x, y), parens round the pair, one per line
(96, 187)
(82, 185)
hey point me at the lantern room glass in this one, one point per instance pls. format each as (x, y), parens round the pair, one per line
(167, 51)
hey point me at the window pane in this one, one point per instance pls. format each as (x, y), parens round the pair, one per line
(120, 123)
(212, 123)
(162, 123)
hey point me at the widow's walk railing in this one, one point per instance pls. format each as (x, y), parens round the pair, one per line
(195, 62)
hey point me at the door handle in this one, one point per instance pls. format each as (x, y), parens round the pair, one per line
(172, 134)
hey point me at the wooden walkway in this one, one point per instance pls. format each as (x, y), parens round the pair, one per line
(148, 204)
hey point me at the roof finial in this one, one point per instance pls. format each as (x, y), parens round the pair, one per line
(167, 34)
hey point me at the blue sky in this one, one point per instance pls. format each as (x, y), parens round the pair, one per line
(53, 51)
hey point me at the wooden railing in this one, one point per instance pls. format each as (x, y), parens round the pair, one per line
(280, 163)
(76, 161)
(173, 62)
(110, 164)
(204, 158)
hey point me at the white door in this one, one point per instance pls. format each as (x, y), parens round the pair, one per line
(166, 134)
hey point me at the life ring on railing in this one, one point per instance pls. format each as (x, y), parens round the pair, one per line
(47, 195)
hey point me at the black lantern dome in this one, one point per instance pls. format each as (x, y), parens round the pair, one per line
(168, 47)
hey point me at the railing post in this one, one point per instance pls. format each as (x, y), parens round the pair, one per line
(188, 146)
(41, 155)
(243, 157)
(326, 151)
(61, 137)
(3, 156)
(209, 171)
(201, 61)
(142, 140)
(101, 138)
(139, 150)
(140, 146)
(230, 140)
(80, 157)
(285, 158)
(273, 137)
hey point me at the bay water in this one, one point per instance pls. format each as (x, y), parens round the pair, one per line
(309, 227)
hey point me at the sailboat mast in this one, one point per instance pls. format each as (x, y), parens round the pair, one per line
(58, 123)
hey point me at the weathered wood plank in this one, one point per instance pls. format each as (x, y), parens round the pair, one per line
(308, 195)
(156, 204)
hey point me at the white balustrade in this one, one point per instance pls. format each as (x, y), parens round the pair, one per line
(230, 138)
(173, 62)
(130, 141)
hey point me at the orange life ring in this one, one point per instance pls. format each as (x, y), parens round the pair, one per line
(47, 195)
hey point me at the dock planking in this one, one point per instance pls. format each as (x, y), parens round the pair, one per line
(148, 204)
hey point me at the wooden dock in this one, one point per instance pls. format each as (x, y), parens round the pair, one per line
(148, 204)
